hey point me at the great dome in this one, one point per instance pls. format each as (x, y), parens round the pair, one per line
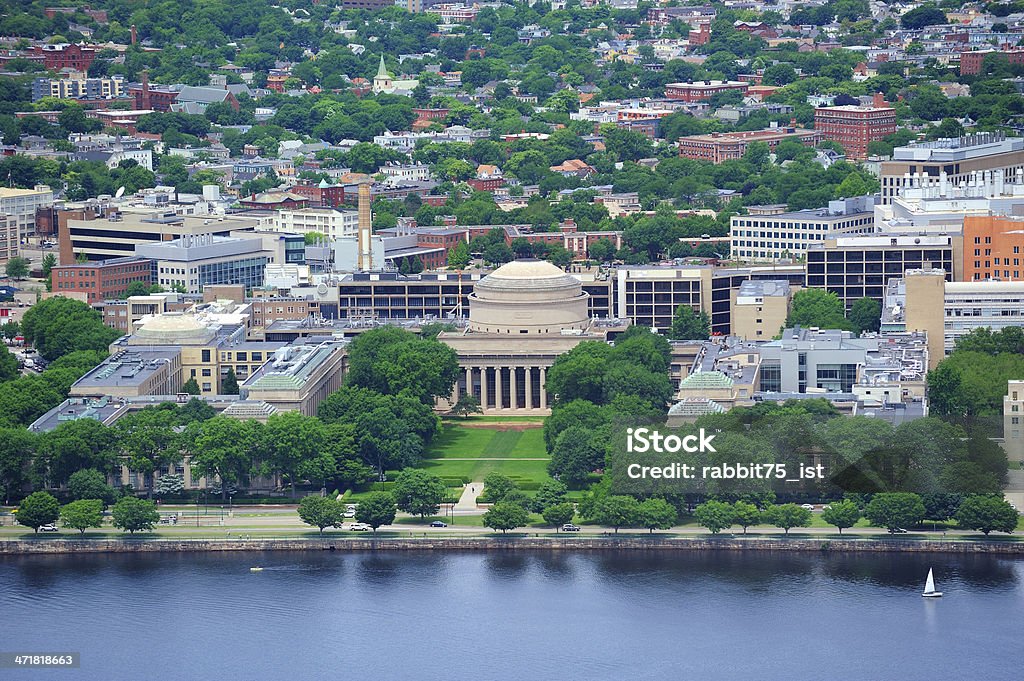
(528, 297)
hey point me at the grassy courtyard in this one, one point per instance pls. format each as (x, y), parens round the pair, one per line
(470, 453)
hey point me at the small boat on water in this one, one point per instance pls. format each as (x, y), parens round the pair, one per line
(929, 587)
(255, 569)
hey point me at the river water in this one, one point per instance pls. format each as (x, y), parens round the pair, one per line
(516, 616)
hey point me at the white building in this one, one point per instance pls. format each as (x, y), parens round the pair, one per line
(331, 222)
(400, 174)
(20, 205)
(789, 235)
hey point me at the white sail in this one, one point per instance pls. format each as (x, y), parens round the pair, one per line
(929, 586)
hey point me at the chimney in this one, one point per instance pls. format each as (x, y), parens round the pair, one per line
(145, 90)
(879, 100)
(135, 35)
(365, 260)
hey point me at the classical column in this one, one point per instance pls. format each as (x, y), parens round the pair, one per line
(513, 401)
(484, 404)
(469, 380)
(543, 388)
(529, 387)
(455, 393)
(499, 400)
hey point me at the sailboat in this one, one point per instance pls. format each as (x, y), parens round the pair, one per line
(929, 587)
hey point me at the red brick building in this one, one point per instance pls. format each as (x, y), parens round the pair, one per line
(321, 195)
(719, 147)
(703, 90)
(970, 62)
(65, 56)
(101, 280)
(854, 127)
(157, 98)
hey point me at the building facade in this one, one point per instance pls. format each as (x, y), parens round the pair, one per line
(101, 280)
(20, 206)
(191, 263)
(789, 235)
(855, 127)
(720, 147)
(992, 248)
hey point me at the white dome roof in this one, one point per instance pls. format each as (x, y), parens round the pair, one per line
(531, 274)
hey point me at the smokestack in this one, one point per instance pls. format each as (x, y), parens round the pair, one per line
(135, 35)
(145, 90)
(365, 261)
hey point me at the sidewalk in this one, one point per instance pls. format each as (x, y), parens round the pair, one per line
(467, 502)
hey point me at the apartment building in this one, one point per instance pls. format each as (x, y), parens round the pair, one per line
(855, 127)
(78, 86)
(703, 90)
(333, 223)
(719, 147)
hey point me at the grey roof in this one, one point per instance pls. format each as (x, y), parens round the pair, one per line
(191, 93)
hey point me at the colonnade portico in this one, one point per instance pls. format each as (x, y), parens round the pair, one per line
(500, 387)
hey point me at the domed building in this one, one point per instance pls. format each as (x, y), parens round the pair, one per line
(528, 297)
(522, 316)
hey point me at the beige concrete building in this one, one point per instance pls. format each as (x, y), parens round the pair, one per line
(298, 378)
(760, 308)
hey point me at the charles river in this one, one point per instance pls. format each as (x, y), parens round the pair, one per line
(520, 616)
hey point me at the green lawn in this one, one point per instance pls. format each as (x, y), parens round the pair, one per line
(472, 453)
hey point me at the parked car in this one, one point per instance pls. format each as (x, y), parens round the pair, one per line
(350, 513)
(569, 527)
(360, 527)
(809, 507)
(48, 528)
(439, 523)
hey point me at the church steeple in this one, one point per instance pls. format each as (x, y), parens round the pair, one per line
(382, 81)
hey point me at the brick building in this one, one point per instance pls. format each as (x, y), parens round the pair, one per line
(101, 280)
(854, 127)
(65, 56)
(320, 195)
(971, 62)
(993, 247)
(719, 147)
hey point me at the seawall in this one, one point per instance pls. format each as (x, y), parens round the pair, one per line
(511, 543)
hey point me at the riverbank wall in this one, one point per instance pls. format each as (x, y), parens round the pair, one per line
(511, 543)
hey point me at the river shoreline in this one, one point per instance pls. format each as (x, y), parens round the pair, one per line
(511, 543)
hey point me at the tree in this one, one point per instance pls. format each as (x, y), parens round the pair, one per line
(714, 515)
(38, 509)
(467, 404)
(987, 513)
(82, 514)
(559, 514)
(169, 486)
(8, 365)
(89, 483)
(392, 360)
(458, 256)
(787, 516)
(229, 386)
(505, 516)
(618, 511)
(657, 514)
(132, 514)
(550, 493)
(222, 447)
(16, 448)
(497, 487)
(925, 15)
(866, 315)
(575, 455)
(817, 307)
(190, 386)
(895, 510)
(321, 512)
(289, 441)
(58, 326)
(689, 325)
(17, 268)
(601, 250)
(419, 493)
(745, 514)
(841, 514)
(377, 509)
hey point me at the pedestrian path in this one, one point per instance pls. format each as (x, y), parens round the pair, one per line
(467, 502)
